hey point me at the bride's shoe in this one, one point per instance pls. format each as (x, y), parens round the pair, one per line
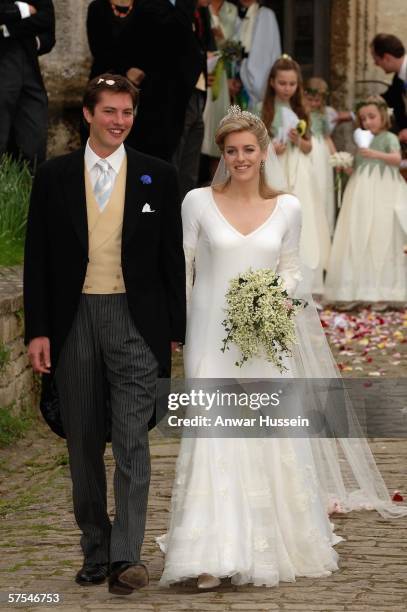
(207, 581)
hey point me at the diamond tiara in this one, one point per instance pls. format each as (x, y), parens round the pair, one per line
(235, 112)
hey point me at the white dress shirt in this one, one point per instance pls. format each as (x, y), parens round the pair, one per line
(115, 161)
(403, 70)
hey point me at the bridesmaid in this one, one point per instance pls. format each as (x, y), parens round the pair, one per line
(285, 98)
(367, 262)
(316, 94)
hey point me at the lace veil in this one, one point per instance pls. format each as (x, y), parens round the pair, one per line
(347, 472)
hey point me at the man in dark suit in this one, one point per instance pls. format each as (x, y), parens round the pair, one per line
(104, 285)
(389, 53)
(26, 31)
(188, 153)
(172, 60)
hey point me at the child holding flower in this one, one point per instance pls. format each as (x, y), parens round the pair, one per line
(367, 262)
(285, 114)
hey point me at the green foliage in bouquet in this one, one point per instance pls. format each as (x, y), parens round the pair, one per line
(260, 317)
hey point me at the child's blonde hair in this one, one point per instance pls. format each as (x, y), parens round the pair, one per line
(317, 86)
(382, 107)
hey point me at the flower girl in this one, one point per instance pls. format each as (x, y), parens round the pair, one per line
(316, 93)
(285, 115)
(367, 262)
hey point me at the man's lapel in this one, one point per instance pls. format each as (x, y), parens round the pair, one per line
(75, 195)
(137, 193)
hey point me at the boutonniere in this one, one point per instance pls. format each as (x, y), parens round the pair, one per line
(146, 179)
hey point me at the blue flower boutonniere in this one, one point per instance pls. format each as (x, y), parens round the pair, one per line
(146, 179)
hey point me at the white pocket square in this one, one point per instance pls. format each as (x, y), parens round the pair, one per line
(147, 209)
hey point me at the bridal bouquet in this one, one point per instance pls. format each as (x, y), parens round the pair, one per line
(260, 317)
(340, 161)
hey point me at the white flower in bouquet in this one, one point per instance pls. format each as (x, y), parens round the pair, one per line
(341, 159)
(260, 317)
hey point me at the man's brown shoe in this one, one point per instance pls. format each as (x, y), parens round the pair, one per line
(127, 577)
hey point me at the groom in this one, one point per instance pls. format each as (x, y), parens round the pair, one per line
(104, 285)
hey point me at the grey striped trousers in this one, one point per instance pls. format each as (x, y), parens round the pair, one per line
(104, 353)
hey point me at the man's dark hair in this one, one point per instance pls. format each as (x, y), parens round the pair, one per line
(387, 43)
(114, 83)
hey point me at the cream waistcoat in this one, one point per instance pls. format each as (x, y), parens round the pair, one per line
(104, 273)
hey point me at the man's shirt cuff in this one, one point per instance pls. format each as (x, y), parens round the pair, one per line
(24, 9)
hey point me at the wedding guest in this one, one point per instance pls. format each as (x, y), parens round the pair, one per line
(389, 53)
(147, 41)
(188, 153)
(260, 36)
(224, 21)
(114, 38)
(26, 31)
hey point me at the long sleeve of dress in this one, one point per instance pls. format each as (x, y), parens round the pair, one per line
(191, 212)
(289, 262)
(266, 48)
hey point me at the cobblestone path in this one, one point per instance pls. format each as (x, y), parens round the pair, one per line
(40, 552)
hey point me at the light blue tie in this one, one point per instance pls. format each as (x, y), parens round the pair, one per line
(104, 184)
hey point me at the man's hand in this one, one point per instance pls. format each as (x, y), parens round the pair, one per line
(175, 347)
(234, 87)
(135, 75)
(403, 135)
(32, 8)
(218, 34)
(39, 355)
(211, 79)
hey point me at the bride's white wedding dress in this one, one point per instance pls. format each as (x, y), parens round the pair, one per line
(252, 509)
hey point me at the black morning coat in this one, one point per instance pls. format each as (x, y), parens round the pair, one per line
(56, 257)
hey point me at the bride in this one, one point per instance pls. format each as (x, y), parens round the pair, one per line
(256, 510)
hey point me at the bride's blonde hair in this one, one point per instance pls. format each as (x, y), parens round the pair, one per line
(243, 121)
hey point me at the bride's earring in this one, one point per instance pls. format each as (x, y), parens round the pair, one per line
(262, 165)
(207, 581)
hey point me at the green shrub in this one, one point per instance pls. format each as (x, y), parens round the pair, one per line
(15, 187)
(13, 427)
